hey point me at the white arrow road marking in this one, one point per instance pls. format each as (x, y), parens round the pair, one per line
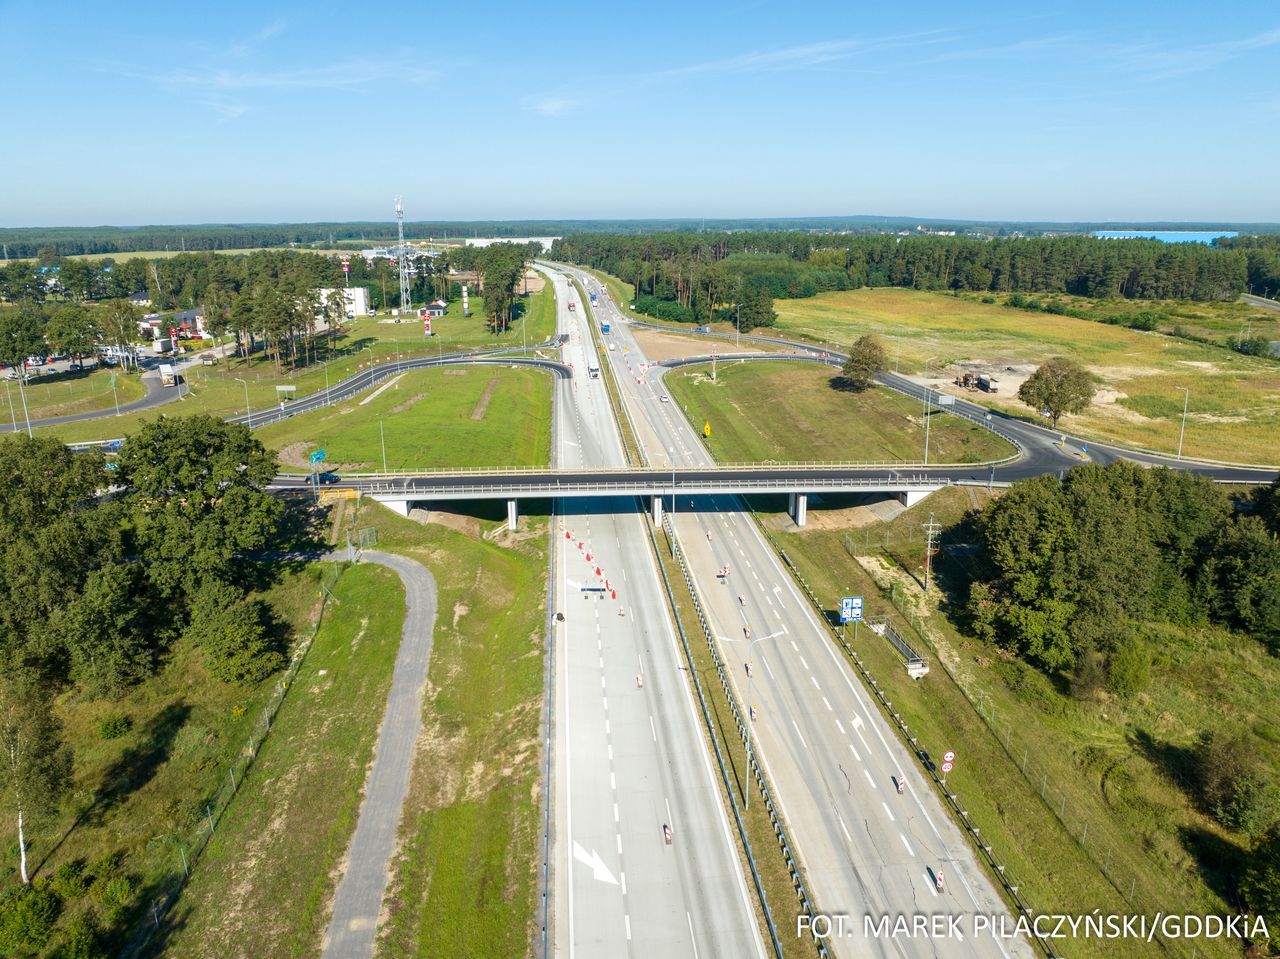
(598, 868)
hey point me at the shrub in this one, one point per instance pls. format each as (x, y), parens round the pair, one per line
(1254, 806)
(27, 916)
(68, 882)
(80, 940)
(113, 896)
(1129, 669)
(113, 727)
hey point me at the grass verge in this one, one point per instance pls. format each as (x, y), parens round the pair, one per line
(791, 413)
(464, 880)
(1084, 764)
(316, 758)
(74, 391)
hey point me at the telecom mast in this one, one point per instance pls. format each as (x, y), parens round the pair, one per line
(406, 305)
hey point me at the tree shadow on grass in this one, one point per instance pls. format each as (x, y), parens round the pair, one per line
(1220, 861)
(139, 762)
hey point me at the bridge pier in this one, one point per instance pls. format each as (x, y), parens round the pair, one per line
(798, 507)
(657, 511)
(401, 506)
(512, 515)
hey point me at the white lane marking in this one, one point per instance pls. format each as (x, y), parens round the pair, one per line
(598, 869)
(641, 662)
(910, 851)
(828, 705)
(928, 881)
(794, 646)
(609, 748)
(841, 728)
(606, 709)
(653, 729)
(843, 829)
(869, 779)
(798, 733)
(815, 684)
(606, 722)
(766, 667)
(803, 661)
(624, 888)
(769, 600)
(602, 682)
(613, 784)
(626, 919)
(692, 941)
(667, 803)
(622, 876)
(887, 811)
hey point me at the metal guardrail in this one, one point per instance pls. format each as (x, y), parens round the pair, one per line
(744, 730)
(952, 800)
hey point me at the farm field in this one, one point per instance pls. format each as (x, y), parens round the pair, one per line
(1101, 812)
(1234, 401)
(430, 419)
(787, 412)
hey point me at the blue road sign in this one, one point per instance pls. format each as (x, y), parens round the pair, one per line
(317, 456)
(851, 609)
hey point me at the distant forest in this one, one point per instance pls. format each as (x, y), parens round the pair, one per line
(24, 242)
(701, 274)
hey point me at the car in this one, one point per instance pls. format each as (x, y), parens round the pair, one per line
(326, 479)
(664, 398)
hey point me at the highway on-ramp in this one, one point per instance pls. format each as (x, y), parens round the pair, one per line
(868, 851)
(629, 751)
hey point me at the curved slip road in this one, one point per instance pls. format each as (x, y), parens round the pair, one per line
(358, 900)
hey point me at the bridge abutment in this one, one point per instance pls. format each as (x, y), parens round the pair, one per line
(513, 515)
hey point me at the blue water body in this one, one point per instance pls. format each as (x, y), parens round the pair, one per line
(1165, 236)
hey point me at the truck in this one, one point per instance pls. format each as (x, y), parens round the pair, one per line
(604, 327)
(988, 384)
(594, 301)
(168, 375)
(593, 369)
(703, 329)
(161, 346)
(571, 306)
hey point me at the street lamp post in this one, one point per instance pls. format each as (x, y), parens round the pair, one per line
(926, 408)
(382, 434)
(737, 323)
(1186, 398)
(114, 394)
(12, 414)
(248, 413)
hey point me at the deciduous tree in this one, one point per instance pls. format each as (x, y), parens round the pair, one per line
(1060, 386)
(866, 360)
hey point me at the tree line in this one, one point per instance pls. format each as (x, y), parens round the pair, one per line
(96, 588)
(688, 268)
(1074, 576)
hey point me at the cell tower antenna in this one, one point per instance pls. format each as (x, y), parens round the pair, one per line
(406, 305)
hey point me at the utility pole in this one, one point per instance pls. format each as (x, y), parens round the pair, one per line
(1186, 398)
(931, 531)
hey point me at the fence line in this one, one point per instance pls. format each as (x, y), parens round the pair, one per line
(171, 879)
(984, 849)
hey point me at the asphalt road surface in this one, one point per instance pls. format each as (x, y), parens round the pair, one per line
(832, 759)
(629, 751)
(358, 900)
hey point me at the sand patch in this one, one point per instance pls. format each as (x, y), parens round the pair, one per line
(669, 346)
(532, 282)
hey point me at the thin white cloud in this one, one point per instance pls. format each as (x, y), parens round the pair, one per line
(550, 106)
(802, 56)
(254, 40)
(351, 75)
(1162, 61)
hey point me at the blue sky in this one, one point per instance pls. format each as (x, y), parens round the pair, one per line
(133, 113)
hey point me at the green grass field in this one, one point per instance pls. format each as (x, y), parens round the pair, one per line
(218, 389)
(59, 394)
(1107, 762)
(1234, 400)
(786, 412)
(464, 882)
(316, 758)
(140, 795)
(431, 419)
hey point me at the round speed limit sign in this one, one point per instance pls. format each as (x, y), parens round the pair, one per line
(949, 756)
(947, 767)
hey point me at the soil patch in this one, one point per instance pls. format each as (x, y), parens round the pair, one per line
(401, 407)
(669, 346)
(482, 404)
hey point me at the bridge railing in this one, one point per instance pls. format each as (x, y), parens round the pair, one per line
(638, 487)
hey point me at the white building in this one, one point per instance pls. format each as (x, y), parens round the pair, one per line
(546, 241)
(357, 298)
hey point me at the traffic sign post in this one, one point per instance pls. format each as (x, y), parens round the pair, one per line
(850, 612)
(317, 457)
(948, 764)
